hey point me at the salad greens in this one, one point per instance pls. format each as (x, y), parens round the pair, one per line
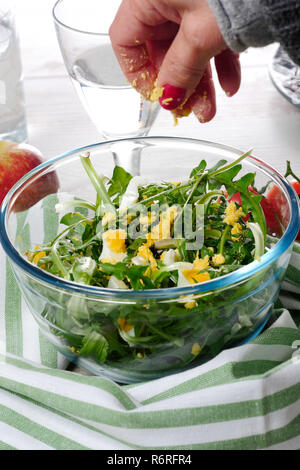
(141, 235)
(131, 236)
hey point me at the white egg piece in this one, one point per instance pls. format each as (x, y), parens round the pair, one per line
(114, 246)
(131, 195)
(169, 257)
(115, 283)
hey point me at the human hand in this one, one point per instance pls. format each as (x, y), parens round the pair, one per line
(173, 41)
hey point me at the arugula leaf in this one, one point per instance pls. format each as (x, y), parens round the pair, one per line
(118, 269)
(71, 218)
(119, 181)
(94, 344)
(199, 169)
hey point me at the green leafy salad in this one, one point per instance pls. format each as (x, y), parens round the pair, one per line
(141, 235)
(129, 241)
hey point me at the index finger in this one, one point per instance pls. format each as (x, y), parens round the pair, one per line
(133, 27)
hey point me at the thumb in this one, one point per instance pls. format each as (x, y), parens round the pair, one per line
(197, 41)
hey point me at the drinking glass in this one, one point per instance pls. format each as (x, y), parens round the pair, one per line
(12, 109)
(285, 75)
(115, 108)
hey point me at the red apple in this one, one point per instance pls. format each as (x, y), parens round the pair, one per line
(15, 161)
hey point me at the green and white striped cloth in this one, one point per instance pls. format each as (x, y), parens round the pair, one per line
(247, 397)
(19, 333)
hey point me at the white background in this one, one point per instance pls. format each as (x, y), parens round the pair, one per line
(257, 117)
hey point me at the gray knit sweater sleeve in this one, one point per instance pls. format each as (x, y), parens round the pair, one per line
(255, 23)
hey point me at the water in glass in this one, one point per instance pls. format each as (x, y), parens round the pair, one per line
(114, 106)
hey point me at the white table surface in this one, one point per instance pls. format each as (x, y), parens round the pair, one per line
(257, 117)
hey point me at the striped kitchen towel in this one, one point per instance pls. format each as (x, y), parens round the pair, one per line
(247, 397)
(19, 333)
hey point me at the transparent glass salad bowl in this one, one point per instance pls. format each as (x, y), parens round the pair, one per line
(230, 310)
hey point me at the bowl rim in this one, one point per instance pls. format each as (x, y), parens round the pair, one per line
(226, 281)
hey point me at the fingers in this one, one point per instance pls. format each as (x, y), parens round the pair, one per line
(135, 24)
(197, 40)
(203, 101)
(150, 42)
(229, 71)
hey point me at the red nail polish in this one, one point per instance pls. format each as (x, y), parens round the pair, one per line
(172, 96)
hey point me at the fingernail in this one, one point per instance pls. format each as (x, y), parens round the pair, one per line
(172, 96)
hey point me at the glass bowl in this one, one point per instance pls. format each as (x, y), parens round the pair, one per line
(230, 310)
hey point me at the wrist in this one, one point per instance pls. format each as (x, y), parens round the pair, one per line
(242, 23)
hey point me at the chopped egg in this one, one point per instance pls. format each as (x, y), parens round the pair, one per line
(131, 195)
(236, 229)
(114, 246)
(139, 261)
(233, 214)
(191, 275)
(162, 230)
(115, 283)
(196, 349)
(169, 257)
(145, 252)
(107, 218)
(187, 277)
(190, 304)
(124, 324)
(38, 257)
(201, 264)
(218, 259)
(156, 92)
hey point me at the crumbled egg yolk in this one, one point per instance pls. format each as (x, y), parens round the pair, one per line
(236, 230)
(179, 113)
(218, 259)
(233, 214)
(196, 349)
(201, 264)
(156, 92)
(167, 100)
(145, 252)
(191, 304)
